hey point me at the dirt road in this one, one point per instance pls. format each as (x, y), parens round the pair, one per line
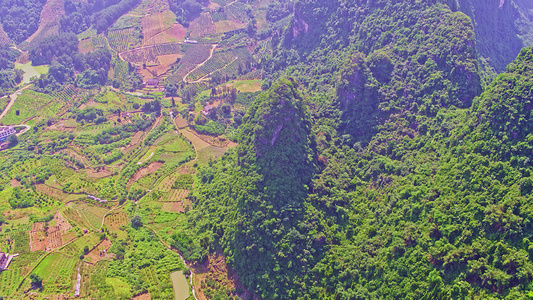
(210, 55)
(12, 98)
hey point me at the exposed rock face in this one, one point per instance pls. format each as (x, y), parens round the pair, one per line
(501, 28)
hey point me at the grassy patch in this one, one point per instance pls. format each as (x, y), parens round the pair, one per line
(31, 71)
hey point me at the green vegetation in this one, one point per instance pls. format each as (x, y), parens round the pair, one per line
(80, 16)
(299, 149)
(20, 19)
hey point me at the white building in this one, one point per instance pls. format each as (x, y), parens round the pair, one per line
(6, 131)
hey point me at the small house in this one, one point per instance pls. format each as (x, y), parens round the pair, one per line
(207, 109)
(5, 132)
(152, 83)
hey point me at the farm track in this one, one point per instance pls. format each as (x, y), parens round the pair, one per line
(206, 75)
(201, 64)
(26, 128)
(13, 97)
(155, 35)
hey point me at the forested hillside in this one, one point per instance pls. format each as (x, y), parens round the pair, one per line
(421, 182)
(266, 149)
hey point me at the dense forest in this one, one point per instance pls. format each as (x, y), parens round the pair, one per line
(67, 65)
(20, 19)
(420, 178)
(100, 14)
(310, 149)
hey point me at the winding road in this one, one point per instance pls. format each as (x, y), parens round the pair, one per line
(210, 55)
(12, 98)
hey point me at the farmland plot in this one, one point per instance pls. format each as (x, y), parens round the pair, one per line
(176, 33)
(4, 39)
(57, 272)
(237, 11)
(149, 54)
(20, 267)
(228, 25)
(126, 21)
(31, 104)
(115, 220)
(220, 60)
(76, 247)
(123, 39)
(156, 23)
(202, 26)
(150, 7)
(193, 56)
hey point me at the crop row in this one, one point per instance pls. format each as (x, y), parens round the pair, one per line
(202, 26)
(150, 53)
(4, 39)
(219, 60)
(98, 41)
(237, 10)
(194, 55)
(56, 271)
(121, 39)
(121, 70)
(218, 15)
(66, 94)
(194, 88)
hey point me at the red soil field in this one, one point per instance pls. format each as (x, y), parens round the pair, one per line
(151, 168)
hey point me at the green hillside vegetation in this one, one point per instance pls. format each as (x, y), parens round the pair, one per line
(421, 189)
(310, 149)
(20, 19)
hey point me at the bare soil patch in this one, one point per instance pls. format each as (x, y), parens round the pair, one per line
(196, 141)
(143, 297)
(44, 236)
(134, 141)
(215, 140)
(176, 33)
(176, 206)
(214, 268)
(181, 122)
(202, 26)
(114, 221)
(151, 168)
(15, 182)
(153, 24)
(101, 173)
(99, 252)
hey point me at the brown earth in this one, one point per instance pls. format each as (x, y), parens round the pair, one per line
(50, 191)
(114, 221)
(15, 182)
(202, 26)
(151, 168)
(181, 122)
(49, 20)
(176, 33)
(173, 207)
(214, 268)
(134, 141)
(105, 172)
(142, 297)
(99, 252)
(44, 236)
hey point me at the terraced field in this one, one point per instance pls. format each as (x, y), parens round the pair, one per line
(123, 39)
(148, 54)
